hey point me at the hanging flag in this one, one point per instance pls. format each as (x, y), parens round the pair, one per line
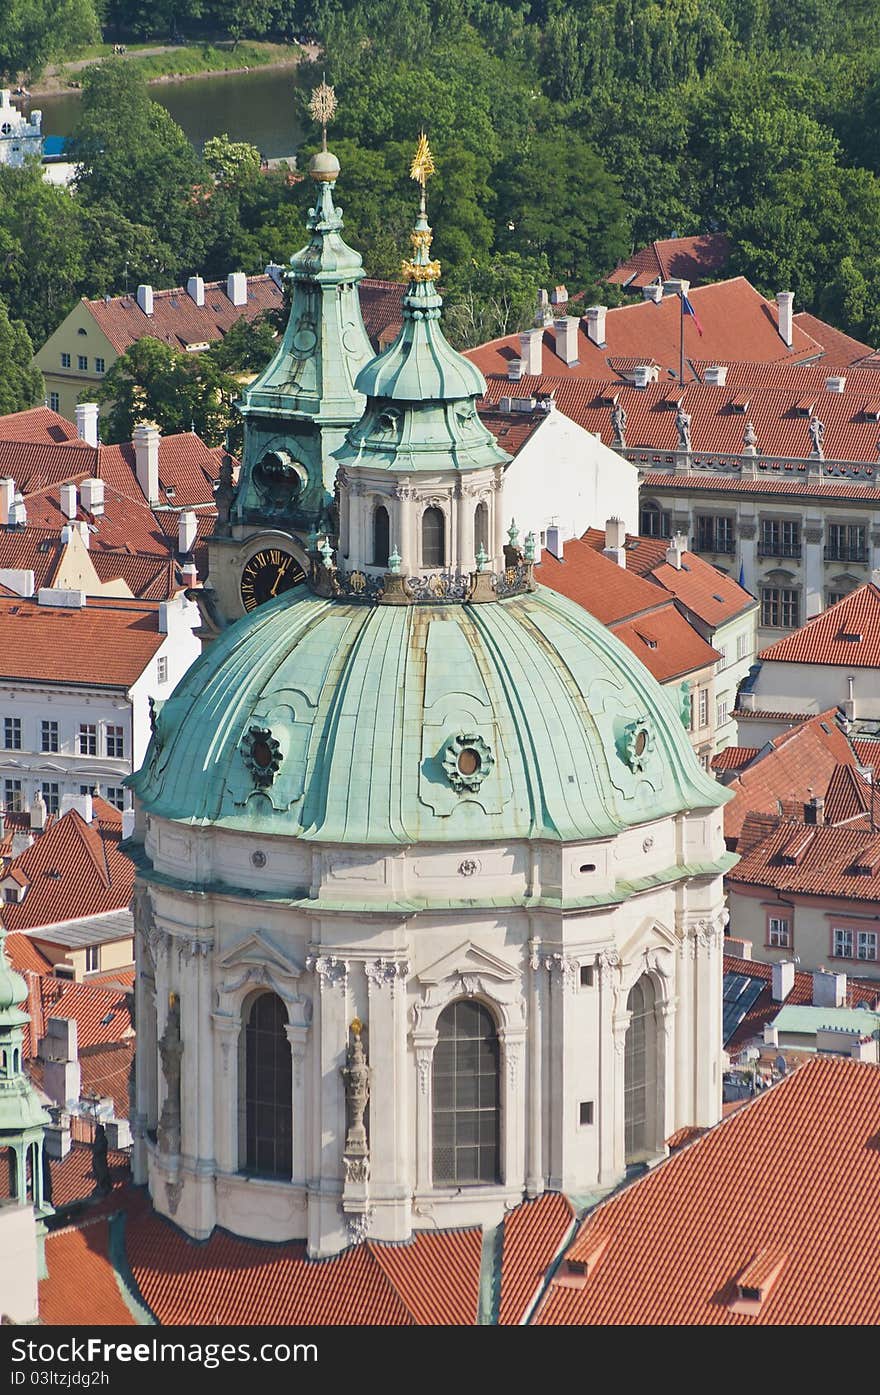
(688, 309)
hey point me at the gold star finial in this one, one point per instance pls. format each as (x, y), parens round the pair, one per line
(422, 166)
(323, 108)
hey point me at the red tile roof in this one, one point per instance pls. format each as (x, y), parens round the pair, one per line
(847, 634)
(803, 859)
(25, 956)
(81, 1289)
(738, 324)
(734, 757)
(512, 429)
(677, 1239)
(72, 871)
(36, 424)
(841, 350)
(105, 1071)
(691, 259)
(102, 1014)
(766, 483)
(765, 1007)
(106, 643)
(699, 587)
(73, 1180)
(868, 752)
(532, 1236)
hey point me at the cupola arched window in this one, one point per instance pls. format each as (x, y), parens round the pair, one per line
(267, 1089)
(466, 1098)
(381, 536)
(640, 1073)
(433, 537)
(481, 527)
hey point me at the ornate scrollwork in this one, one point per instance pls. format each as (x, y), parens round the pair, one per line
(638, 743)
(440, 587)
(467, 761)
(262, 755)
(387, 973)
(331, 971)
(564, 968)
(609, 966)
(513, 581)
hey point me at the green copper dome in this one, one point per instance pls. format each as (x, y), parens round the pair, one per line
(384, 724)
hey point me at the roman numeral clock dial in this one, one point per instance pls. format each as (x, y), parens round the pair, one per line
(269, 572)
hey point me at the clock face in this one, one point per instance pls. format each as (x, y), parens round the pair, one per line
(269, 572)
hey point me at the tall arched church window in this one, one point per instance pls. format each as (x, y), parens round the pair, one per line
(640, 1073)
(267, 1078)
(466, 1098)
(381, 536)
(481, 527)
(433, 537)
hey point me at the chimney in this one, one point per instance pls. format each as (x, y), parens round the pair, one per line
(236, 287)
(18, 511)
(275, 272)
(195, 289)
(82, 803)
(57, 1139)
(514, 370)
(615, 538)
(740, 949)
(782, 981)
(676, 285)
(146, 454)
(145, 299)
(829, 989)
(87, 422)
(643, 374)
(60, 1055)
(814, 810)
(716, 374)
(653, 292)
(91, 493)
(554, 543)
(677, 546)
(189, 575)
(7, 494)
(595, 317)
(566, 330)
(68, 500)
(784, 306)
(38, 813)
(531, 343)
(559, 295)
(835, 384)
(186, 531)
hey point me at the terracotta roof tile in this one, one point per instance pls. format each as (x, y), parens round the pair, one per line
(868, 752)
(73, 1179)
(74, 870)
(682, 258)
(532, 1236)
(37, 424)
(797, 858)
(846, 634)
(765, 1008)
(841, 349)
(698, 586)
(81, 1289)
(106, 643)
(734, 757)
(25, 956)
(724, 484)
(678, 1238)
(102, 1014)
(512, 429)
(105, 1071)
(176, 319)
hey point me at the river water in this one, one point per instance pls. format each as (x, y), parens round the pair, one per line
(263, 107)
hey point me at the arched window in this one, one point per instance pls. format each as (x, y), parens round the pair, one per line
(654, 522)
(640, 1073)
(381, 536)
(433, 537)
(481, 527)
(467, 1093)
(267, 1076)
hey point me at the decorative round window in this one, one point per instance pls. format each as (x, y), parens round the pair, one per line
(638, 743)
(262, 756)
(467, 761)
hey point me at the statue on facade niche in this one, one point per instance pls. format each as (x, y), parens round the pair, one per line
(356, 1076)
(683, 426)
(750, 436)
(100, 1168)
(817, 436)
(171, 1050)
(223, 496)
(618, 423)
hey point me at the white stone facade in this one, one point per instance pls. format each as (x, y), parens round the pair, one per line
(550, 938)
(20, 136)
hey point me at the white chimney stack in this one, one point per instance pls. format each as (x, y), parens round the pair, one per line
(514, 370)
(87, 422)
(187, 529)
(829, 989)
(68, 500)
(82, 803)
(38, 813)
(595, 317)
(189, 575)
(146, 454)
(566, 330)
(531, 343)
(676, 549)
(643, 374)
(785, 306)
(782, 980)
(554, 543)
(236, 287)
(195, 289)
(716, 374)
(91, 493)
(18, 511)
(7, 495)
(615, 540)
(559, 295)
(653, 292)
(145, 299)
(835, 384)
(676, 285)
(275, 272)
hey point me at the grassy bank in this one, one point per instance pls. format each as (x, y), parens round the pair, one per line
(170, 62)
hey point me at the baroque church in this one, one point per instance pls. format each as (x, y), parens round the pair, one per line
(429, 906)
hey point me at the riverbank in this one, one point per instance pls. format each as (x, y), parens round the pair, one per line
(179, 63)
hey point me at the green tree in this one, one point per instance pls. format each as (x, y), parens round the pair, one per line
(231, 162)
(246, 347)
(178, 391)
(36, 32)
(486, 301)
(21, 385)
(42, 250)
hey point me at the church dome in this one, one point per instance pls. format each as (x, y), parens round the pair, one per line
(384, 724)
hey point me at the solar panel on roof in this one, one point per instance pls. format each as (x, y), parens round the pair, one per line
(740, 991)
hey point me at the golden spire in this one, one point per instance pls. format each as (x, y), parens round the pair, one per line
(421, 169)
(323, 108)
(422, 166)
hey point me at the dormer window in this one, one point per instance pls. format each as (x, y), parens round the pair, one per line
(755, 1282)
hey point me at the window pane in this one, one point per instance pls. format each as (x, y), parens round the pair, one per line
(268, 1086)
(433, 538)
(466, 1099)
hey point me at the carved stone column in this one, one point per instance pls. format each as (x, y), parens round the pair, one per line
(535, 1159)
(424, 1044)
(620, 1027)
(814, 567)
(563, 972)
(513, 1152)
(608, 1109)
(227, 1090)
(391, 1182)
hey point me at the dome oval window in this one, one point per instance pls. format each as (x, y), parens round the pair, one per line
(261, 754)
(469, 761)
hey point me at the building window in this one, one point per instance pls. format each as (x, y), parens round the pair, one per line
(654, 522)
(586, 1112)
(162, 669)
(433, 537)
(12, 733)
(780, 607)
(115, 795)
(704, 707)
(722, 650)
(778, 932)
(93, 959)
(467, 1092)
(65, 360)
(115, 741)
(742, 646)
(640, 1072)
(481, 528)
(53, 401)
(52, 796)
(12, 796)
(721, 708)
(780, 538)
(832, 597)
(715, 534)
(86, 789)
(48, 736)
(99, 365)
(88, 739)
(843, 944)
(82, 363)
(847, 542)
(867, 944)
(381, 536)
(268, 1102)
(692, 711)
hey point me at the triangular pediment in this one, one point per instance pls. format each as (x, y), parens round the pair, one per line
(468, 958)
(257, 952)
(649, 935)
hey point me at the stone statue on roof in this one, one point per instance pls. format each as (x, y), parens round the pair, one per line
(683, 426)
(817, 436)
(618, 423)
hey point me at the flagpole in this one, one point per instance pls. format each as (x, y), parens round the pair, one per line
(681, 341)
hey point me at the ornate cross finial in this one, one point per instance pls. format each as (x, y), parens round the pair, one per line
(422, 166)
(421, 268)
(323, 108)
